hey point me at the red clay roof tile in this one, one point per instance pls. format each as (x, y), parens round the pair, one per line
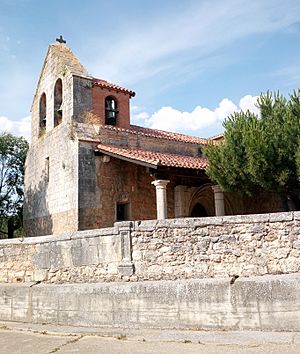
(160, 134)
(154, 158)
(106, 84)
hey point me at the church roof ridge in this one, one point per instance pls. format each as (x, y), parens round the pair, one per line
(159, 134)
(106, 84)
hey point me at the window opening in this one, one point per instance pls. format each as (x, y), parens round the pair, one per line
(43, 113)
(111, 111)
(122, 211)
(47, 168)
(58, 100)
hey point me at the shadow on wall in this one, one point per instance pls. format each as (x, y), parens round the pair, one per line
(266, 202)
(202, 202)
(37, 219)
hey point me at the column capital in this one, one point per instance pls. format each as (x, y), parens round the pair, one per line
(160, 183)
(217, 189)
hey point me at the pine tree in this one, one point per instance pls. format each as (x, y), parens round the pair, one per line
(260, 153)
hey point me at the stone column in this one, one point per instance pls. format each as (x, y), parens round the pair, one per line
(181, 198)
(123, 229)
(161, 197)
(219, 200)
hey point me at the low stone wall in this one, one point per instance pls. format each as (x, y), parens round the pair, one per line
(80, 257)
(230, 246)
(269, 303)
(244, 245)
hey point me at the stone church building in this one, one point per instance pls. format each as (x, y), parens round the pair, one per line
(88, 166)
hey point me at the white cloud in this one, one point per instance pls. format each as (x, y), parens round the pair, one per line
(18, 128)
(193, 35)
(168, 118)
(249, 102)
(140, 116)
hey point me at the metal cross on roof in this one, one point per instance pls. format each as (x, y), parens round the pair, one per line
(60, 39)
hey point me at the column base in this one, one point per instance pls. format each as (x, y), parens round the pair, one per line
(126, 269)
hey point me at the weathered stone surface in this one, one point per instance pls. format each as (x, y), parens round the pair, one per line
(166, 249)
(257, 303)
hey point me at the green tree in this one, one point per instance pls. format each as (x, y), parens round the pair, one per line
(260, 153)
(13, 152)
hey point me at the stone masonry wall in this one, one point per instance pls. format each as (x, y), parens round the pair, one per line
(230, 246)
(104, 184)
(51, 181)
(51, 171)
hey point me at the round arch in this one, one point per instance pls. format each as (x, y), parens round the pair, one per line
(58, 102)
(204, 197)
(111, 110)
(202, 202)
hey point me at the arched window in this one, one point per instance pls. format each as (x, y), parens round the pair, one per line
(43, 113)
(58, 100)
(111, 111)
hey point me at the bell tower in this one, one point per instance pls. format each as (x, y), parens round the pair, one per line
(63, 93)
(57, 91)
(111, 103)
(59, 168)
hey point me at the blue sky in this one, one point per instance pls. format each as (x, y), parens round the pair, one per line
(190, 62)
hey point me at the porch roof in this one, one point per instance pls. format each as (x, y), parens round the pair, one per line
(153, 159)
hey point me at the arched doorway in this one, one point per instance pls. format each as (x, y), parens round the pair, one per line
(202, 202)
(198, 211)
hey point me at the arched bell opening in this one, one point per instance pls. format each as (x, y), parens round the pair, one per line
(58, 102)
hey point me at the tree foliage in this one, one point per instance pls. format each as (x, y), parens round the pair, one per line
(13, 152)
(260, 152)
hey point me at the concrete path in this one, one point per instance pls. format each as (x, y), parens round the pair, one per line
(18, 338)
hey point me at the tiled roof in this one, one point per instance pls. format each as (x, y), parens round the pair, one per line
(153, 159)
(217, 137)
(106, 84)
(160, 134)
(169, 135)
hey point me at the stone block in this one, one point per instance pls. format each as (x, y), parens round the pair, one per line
(145, 225)
(296, 215)
(296, 244)
(40, 275)
(41, 260)
(126, 269)
(212, 220)
(3, 276)
(279, 217)
(84, 255)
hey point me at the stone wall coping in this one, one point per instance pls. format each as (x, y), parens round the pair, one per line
(107, 231)
(296, 215)
(18, 285)
(63, 237)
(150, 225)
(128, 287)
